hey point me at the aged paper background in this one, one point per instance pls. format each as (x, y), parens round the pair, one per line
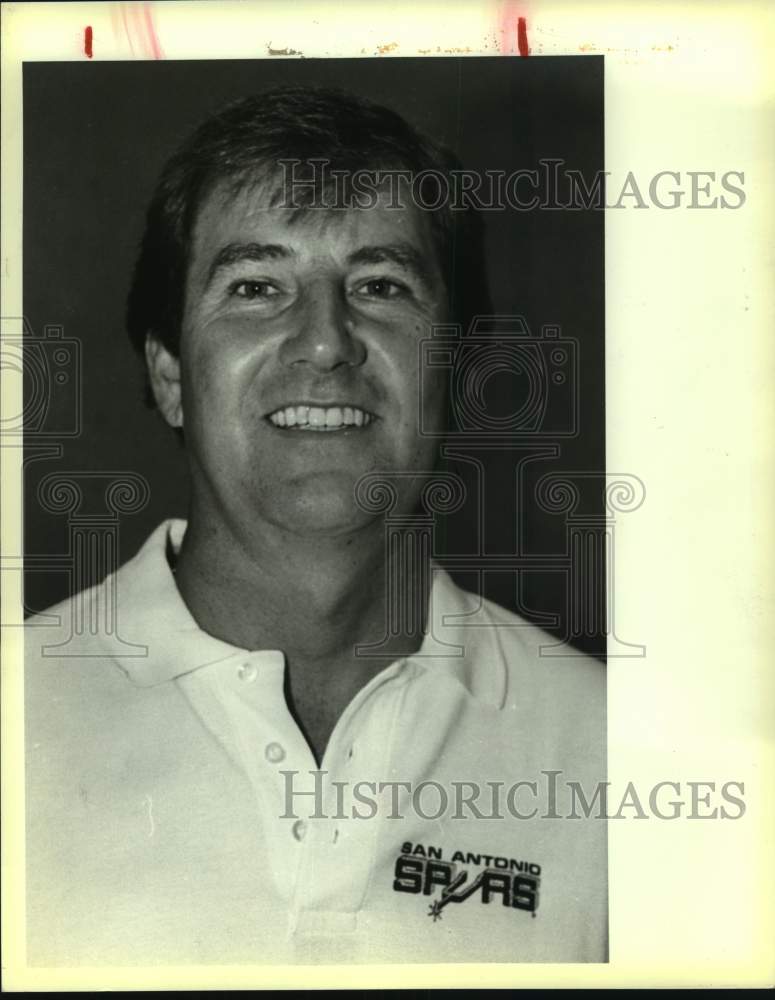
(690, 411)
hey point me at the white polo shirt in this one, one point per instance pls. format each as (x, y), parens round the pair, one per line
(176, 815)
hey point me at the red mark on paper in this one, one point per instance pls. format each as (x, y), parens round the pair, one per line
(153, 41)
(134, 23)
(88, 36)
(513, 29)
(522, 37)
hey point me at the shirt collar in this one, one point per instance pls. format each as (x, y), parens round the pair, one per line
(153, 615)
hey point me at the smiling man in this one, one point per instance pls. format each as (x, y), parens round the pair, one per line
(297, 375)
(254, 788)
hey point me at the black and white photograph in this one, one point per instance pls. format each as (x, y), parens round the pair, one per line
(323, 509)
(313, 715)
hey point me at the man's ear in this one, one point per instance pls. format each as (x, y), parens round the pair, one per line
(164, 375)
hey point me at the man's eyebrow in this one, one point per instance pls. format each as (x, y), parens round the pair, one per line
(404, 255)
(233, 253)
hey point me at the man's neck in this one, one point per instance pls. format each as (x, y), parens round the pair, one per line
(314, 598)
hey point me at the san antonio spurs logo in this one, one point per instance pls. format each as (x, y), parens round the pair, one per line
(422, 870)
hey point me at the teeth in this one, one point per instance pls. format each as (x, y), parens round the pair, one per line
(320, 418)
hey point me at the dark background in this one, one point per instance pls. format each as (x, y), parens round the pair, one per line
(95, 138)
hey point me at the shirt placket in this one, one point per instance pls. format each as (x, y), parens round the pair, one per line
(320, 857)
(338, 854)
(271, 748)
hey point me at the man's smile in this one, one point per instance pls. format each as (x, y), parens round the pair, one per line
(304, 417)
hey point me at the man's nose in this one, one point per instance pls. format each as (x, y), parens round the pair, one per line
(324, 331)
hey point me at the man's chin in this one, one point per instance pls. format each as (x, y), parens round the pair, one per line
(320, 509)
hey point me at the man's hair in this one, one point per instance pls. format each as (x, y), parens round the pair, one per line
(243, 144)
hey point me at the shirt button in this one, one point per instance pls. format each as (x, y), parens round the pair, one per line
(274, 753)
(248, 672)
(299, 829)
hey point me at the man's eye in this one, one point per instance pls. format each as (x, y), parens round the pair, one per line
(252, 289)
(381, 288)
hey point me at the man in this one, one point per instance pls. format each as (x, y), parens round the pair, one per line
(264, 784)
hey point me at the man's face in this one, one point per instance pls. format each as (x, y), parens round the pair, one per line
(299, 359)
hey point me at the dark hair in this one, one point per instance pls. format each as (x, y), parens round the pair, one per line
(243, 143)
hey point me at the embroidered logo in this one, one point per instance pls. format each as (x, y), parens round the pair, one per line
(423, 870)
